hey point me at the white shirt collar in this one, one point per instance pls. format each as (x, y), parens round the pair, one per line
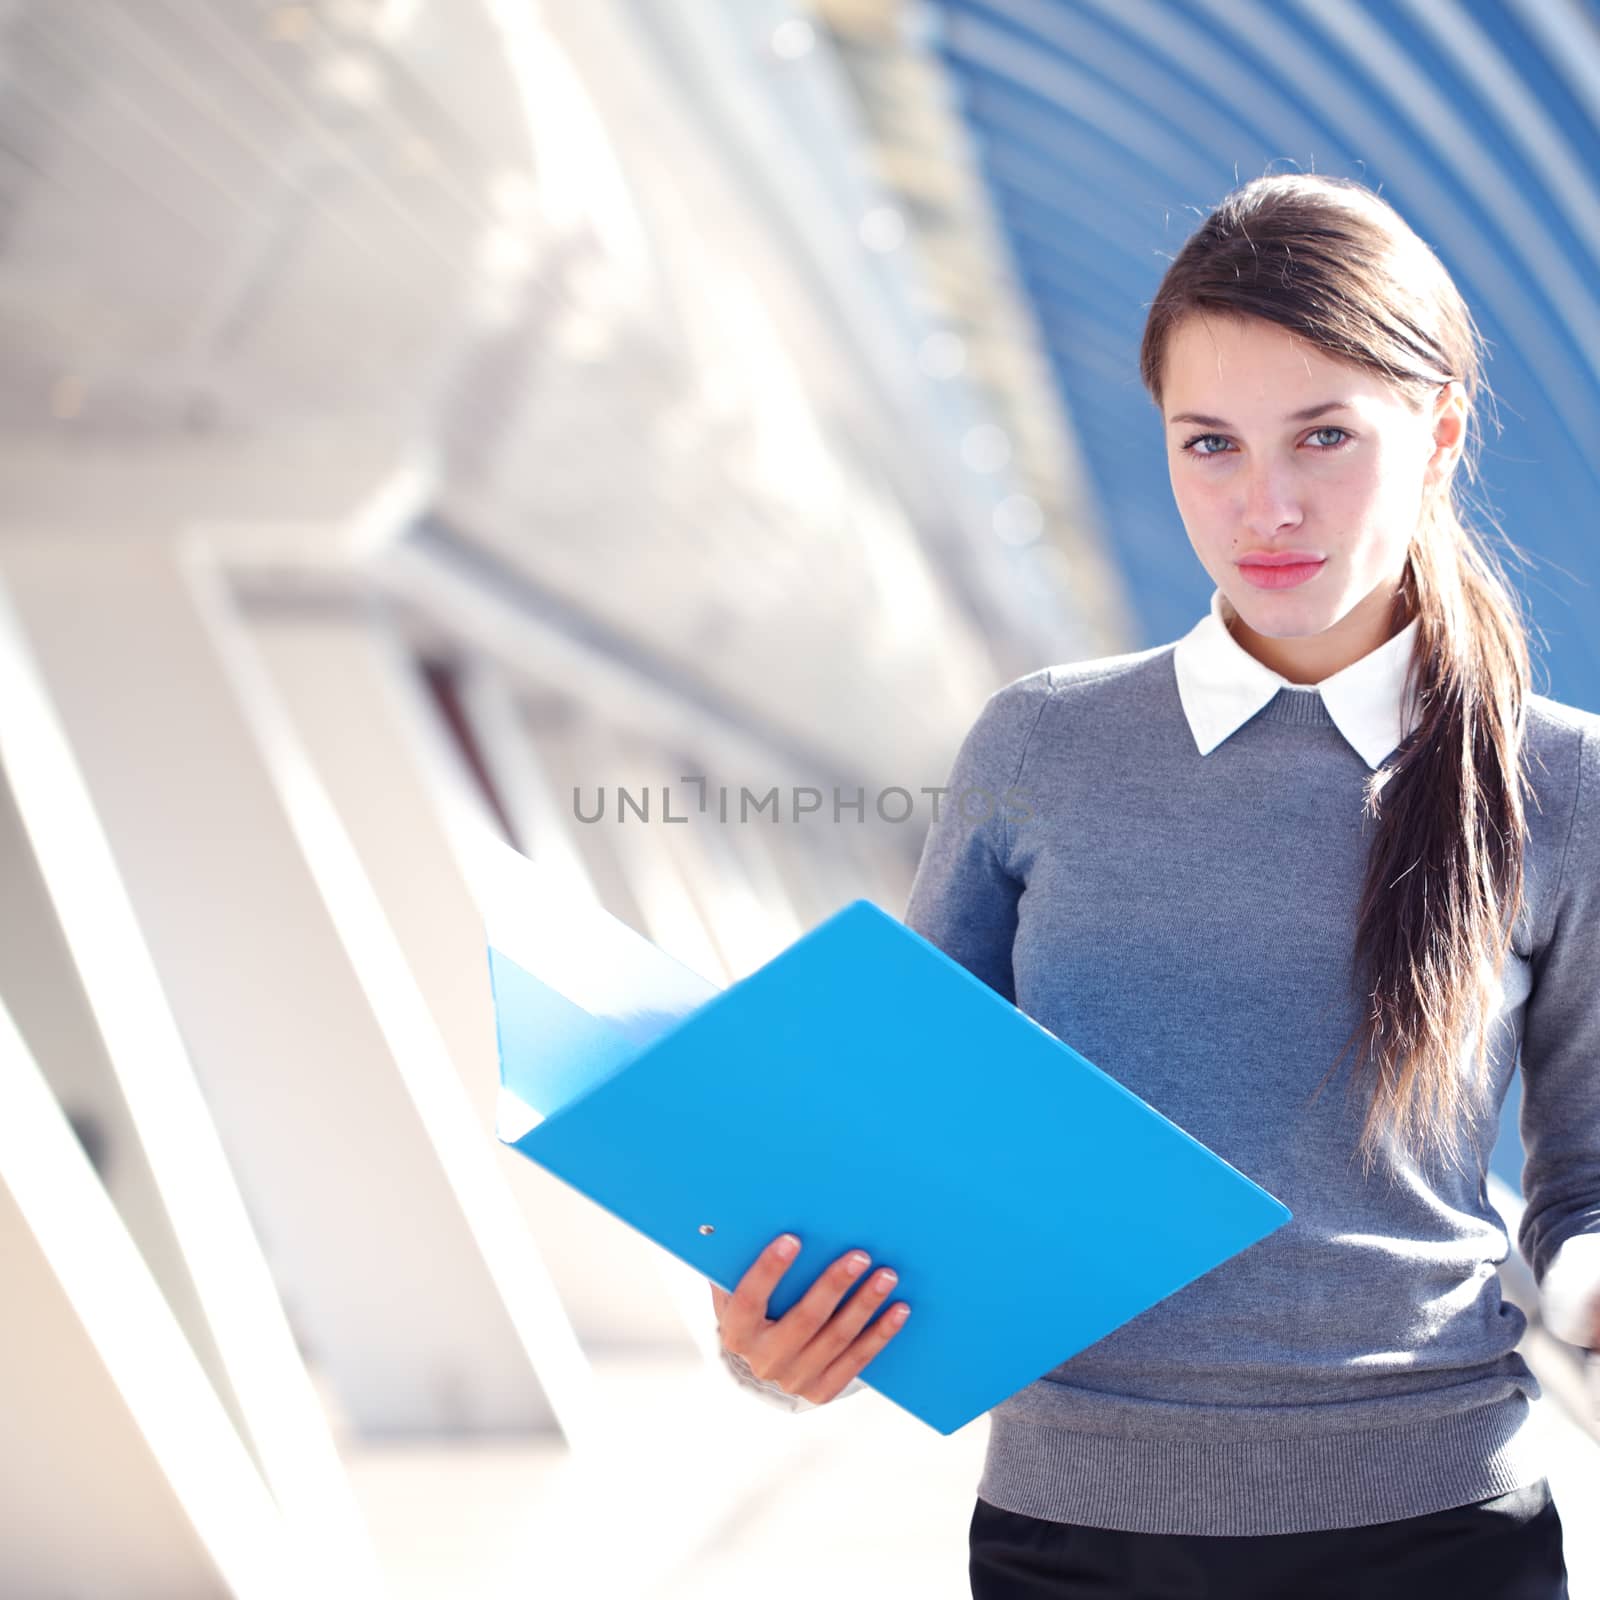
(1222, 686)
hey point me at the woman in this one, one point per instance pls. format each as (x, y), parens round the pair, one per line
(1305, 880)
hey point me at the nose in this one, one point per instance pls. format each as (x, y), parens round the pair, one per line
(1270, 502)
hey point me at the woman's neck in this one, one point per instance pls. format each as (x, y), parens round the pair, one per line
(1359, 632)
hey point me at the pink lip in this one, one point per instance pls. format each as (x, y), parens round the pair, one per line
(1280, 558)
(1281, 572)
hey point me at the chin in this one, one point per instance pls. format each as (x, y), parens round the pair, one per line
(1284, 615)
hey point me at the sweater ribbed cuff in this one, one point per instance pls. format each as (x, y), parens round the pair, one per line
(772, 1392)
(764, 1387)
(1569, 1296)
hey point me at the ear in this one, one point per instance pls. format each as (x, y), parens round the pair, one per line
(1449, 424)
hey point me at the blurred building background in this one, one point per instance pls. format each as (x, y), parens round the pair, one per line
(420, 416)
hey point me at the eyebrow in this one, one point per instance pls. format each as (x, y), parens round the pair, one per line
(1303, 415)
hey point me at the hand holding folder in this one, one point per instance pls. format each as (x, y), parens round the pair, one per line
(843, 1319)
(860, 1089)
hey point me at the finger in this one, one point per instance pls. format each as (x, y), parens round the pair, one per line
(782, 1347)
(744, 1314)
(871, 1293)
(837, 1335)
(838, 1373)
(719, 1298)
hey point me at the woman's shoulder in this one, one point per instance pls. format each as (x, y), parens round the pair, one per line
(1137, 670)
(999, 739)
(1563, 738)
(1563, 765)
(1549, 712)
(1096, 696)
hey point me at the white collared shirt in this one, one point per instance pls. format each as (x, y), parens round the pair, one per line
(1222, 686)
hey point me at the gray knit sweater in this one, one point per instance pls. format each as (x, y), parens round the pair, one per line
(1186, 922)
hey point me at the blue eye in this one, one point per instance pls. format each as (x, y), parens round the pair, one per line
(1217, 444)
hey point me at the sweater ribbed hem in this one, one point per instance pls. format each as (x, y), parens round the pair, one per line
(1260, 1486)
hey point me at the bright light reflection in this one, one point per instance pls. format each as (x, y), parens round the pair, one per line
(883, 229)
(793, 39)
(1018, 519)
(985, 448)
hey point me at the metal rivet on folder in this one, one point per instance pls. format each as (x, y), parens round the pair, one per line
(707, 1227)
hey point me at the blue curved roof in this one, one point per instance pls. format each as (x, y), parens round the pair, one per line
(1105, 130)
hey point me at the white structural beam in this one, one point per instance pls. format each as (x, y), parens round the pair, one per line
(399, 786)
(42, 988)
(319, 500)
(588, 1252)
(343, 852)
(72, 953)
(122, 1476)
(534, 764)
(384, 1277)
(348, 690)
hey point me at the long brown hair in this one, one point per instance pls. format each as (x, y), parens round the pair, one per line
(1329, 260)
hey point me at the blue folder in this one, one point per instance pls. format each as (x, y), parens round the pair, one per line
(859, 1089)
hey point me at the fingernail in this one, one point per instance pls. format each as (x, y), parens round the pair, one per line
(788, 1246)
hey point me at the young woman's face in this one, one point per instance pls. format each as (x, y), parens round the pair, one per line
(1275, 448)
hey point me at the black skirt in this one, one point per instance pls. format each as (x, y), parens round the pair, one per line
(1507, 1547)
